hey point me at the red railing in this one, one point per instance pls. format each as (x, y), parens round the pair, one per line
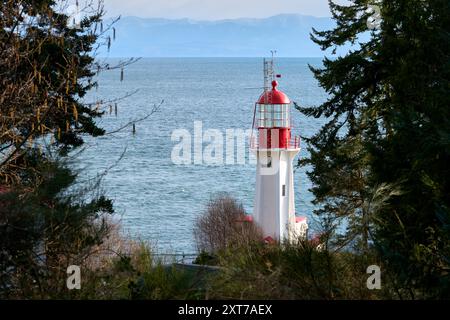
(293, 143)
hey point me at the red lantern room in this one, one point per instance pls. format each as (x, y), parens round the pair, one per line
(273, 111)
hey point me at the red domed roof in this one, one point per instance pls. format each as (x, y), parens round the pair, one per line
(274, 96)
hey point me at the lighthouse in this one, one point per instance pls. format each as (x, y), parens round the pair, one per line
(275, 148)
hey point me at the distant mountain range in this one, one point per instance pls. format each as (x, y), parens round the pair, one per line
(151, 37)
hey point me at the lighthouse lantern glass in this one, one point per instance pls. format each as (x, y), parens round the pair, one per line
(274, 116)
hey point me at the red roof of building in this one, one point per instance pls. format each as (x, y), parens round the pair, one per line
(315, 240)
(274, 96)
(300, 219)
(245, 218)
(269, 240)
(3, 189)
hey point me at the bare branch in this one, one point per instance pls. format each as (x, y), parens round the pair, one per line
(154, 110)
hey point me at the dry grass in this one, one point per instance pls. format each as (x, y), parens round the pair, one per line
(114, 245)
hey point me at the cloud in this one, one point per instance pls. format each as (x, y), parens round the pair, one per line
(215, 9)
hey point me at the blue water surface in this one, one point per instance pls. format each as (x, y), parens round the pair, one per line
(157, 200)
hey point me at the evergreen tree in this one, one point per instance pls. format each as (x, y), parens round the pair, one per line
(47, 65)
(44, 231)
(381, 162)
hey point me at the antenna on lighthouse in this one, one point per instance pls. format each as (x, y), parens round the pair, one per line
(269, 71)
(273, 52)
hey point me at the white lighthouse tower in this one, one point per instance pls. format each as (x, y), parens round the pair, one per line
(275, 149)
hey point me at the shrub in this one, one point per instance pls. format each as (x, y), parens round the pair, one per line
(291, 271)
(136, 274)
(222, 226)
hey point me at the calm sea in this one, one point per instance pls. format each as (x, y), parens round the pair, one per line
(156, 199)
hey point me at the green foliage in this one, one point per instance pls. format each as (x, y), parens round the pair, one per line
(380, 163)
(46, 69)
(45, 230)
(291, 271)
(205, 258)
(46, 222)
(138, 275)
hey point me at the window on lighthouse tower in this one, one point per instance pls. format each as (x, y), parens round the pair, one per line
(268, 164)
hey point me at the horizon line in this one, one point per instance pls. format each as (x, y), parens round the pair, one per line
(218, 20)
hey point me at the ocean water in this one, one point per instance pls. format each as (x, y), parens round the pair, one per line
(156, 199)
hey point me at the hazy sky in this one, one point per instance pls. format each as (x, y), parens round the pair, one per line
(215, 9)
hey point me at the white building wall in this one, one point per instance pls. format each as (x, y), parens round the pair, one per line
(273, 212)
(284, 200)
